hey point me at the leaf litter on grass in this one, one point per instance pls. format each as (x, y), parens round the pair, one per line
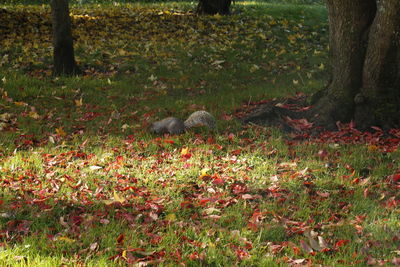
(242, 196)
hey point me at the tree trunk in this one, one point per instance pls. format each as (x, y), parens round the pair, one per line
(365, 52)
(63, 56)
(211, 7)
(381, 73)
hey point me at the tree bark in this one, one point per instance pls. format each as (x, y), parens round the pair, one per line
(212, 7)
(63, 55)
(381, 73)
(364, 47)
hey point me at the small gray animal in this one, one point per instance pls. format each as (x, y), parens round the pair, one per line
(174, 125)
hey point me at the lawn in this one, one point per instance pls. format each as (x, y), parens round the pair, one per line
(84, 183)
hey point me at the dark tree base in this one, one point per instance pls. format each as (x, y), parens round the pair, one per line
(212, 7)
(295, 115)
(290, 114)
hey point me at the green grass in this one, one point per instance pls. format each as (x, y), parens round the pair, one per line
(79, 169)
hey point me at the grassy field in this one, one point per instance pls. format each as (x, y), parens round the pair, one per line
(83, 182)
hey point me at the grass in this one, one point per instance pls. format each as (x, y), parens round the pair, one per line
(85, 184)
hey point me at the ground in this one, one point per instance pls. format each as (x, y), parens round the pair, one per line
(83, 182)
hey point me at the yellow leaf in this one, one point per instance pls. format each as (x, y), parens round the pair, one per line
(171, 217)
(66, 239)
(60, 131)
(122, 52)
(254, 68)
(79, 102)
(295, 82)
(108, 202)
(118, 198)
(322, 66)
(217, 16)
(20, 103)
(184, 151)
(262, 36)
(204, 173)
(34, 115)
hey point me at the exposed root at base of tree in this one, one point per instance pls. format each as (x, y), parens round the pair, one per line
(296, 116)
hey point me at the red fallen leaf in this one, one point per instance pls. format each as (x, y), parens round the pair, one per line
(396, 178)
(396, 261)
(275, 249)
(359, 229)
(194, 256)
(242, 254)
(248, 196)
(341, 243)
(77, 220)
(322, 154)
(177, 254)
(219, 147)
(155, 239)
(239, 188)
(153, 216)
(186, 156)
(120, 160)
(255, 220)
(365, 193)
(236, 152)
(227, 117)
(392, 202)
(371, 260)
(376, 128)
(22, 226)
(120, 239)
(349, 176)
(248, 245)
(300, 124)
(296, 250)
(322, 194)
(186, 205)
(88, 116)
(218, 181)
(231, 136)
(1, 202)
(169, 141)
(210, 140)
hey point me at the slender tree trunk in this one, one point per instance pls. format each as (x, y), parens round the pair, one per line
(212, 7)
(64, 60)
(364, 44)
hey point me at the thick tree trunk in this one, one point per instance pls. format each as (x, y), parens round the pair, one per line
(349, 22)
(381, 74)
(212, 7)
(63, 56)
(364, 43)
